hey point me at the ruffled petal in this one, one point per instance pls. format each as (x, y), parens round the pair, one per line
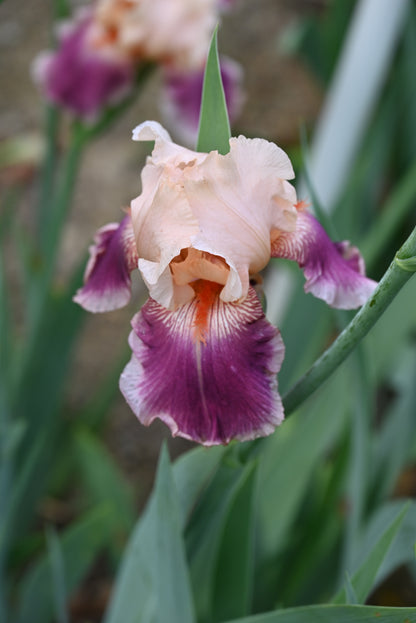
(107, 283)
(208, 370)
(237, 202)
(165, 151)
(334, 271)
(221, 205)
(164, 225)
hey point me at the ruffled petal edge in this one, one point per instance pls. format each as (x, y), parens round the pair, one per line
(212, 389)
(334, 271)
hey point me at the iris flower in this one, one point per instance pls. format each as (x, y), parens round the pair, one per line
(204, 357)
(100, 50)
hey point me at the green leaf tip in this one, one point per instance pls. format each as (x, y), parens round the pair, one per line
(214, 126)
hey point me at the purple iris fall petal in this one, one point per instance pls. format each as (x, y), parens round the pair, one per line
(334, 271)
(210, 385)
(107, 277)
(80, 78)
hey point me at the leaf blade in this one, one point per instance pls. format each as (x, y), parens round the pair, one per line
(171, 575)
(214, 126)
(331, 613)
(363, 579)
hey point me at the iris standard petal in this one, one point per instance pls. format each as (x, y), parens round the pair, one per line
(238, 200)
(164, 225)
(107, 283)
(165, 152)
(222, 205)
(208, 369)
(334, 271)
(171, 32)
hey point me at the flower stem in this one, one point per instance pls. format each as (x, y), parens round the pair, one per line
(62, 202)
(398, 273)
(47, 176)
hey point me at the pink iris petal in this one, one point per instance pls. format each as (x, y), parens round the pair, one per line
(107, 277)
(209, 385)
(182, 95)
(223, 205)
(80, 78)
(334, 271)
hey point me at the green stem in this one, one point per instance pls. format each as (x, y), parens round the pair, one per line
(58, 204)
(48, 168)
(66, 188)
(41, 279)
(392, 282)
(111, 114)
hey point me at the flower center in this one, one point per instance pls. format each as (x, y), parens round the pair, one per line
(193, 264)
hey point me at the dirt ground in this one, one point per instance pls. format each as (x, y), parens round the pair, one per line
(280, 93)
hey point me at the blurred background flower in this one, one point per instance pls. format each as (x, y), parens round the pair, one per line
(101, 51)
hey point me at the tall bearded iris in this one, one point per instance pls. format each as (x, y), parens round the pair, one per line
(205, 358)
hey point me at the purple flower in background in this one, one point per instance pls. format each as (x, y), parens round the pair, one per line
(80, 77)
(100, 50)
(204, 357)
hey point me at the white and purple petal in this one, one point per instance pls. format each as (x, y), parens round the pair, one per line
(334, 271)
(210, 387)
(80, 78)
(107, 282)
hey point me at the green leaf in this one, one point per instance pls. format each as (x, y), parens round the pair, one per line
(94, 414)
(363, 579)
(334, 614)
(359, 472)
(214, 126)
(58, 575)
(134, 598)
(8, 209)
(395, 210)
(206, 530)
(350, 594)
(105, 483)
(402, 552)
(171, 576)
(38, 396)
(79, 545)
(306, 566)
(192, 471)
(393, 441)
(392, 331)
(296, 331)
(235, 567)
(321, 212)
(289, 456)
